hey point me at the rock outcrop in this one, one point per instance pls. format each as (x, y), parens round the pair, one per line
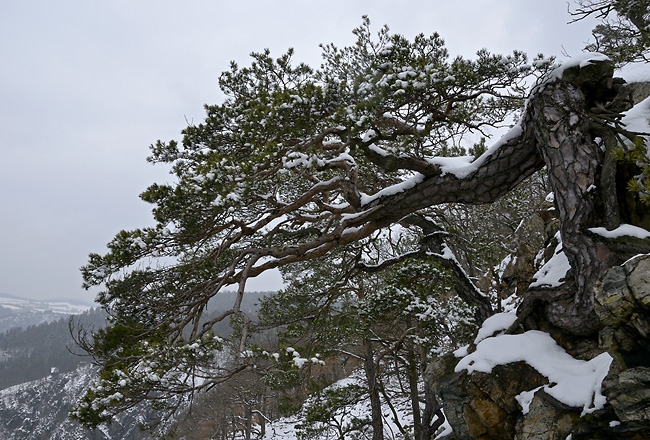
(481, 405)
(489, 406)
(623, 304)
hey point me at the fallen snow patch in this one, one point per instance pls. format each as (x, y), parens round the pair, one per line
(555, 269)
(393, 189)
(634, 72)
(463, 166)
(582, 60)
(525, 398)
(495, 323)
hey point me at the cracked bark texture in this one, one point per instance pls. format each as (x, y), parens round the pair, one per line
(573, 160)
(584, 180)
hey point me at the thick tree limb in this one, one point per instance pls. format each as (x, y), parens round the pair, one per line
(497, 172)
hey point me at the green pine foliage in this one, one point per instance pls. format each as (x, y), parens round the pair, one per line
(324, 414)
(637, 153)
(624, 31)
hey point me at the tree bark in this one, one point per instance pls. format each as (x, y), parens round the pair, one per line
(413, 376)
(432, 409)
(573, 160)
(249, 421)
(583, 179)
(373, 389)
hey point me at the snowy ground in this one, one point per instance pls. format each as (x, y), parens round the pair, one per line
(288, 428)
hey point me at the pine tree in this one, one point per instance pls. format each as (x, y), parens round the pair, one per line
(299, 166)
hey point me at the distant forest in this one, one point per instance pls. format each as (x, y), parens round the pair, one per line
(30, 353)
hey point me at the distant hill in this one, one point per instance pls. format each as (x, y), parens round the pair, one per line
(29, 353)
(225, 300)
(40, 380)
(21, 312)
(34, 341)
(39, 410)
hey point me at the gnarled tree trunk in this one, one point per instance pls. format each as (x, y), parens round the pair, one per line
(574, 162)
(576, 147)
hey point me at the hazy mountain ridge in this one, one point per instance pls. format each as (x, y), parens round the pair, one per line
(35, 404)
(21, 312)
(29, 353)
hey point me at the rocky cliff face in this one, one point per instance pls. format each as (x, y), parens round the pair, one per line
(623, 305)
(513, 402)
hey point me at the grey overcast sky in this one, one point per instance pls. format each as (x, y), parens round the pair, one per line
(86, 86)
